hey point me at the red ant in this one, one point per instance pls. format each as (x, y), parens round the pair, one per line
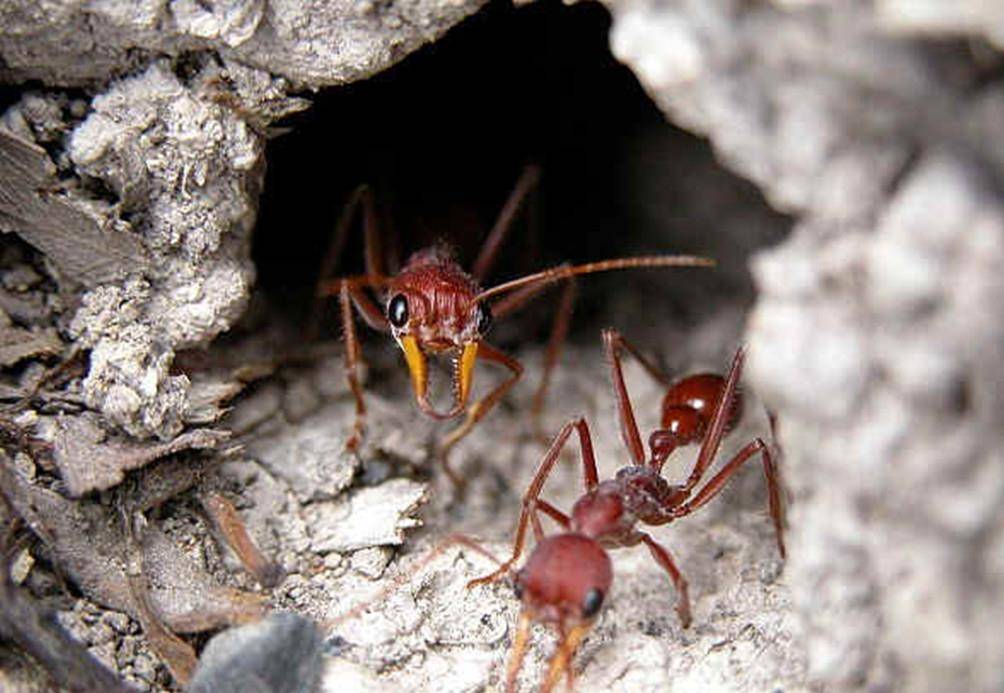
(432, 306)
(567, 576)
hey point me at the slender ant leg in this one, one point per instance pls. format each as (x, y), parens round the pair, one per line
(709, 449)
(361, 196)
(530, 498)
(553, 513)
(619, 342)
(559, 332)
(612, 342)
(664, 559)
(716, 429)
(349, 295)
(413, 570)
(528, 180)
(478, 409)
(717, 483)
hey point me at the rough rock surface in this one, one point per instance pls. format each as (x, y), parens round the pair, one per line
(877, 336)
(313, 43)
(877, 339)
(192, 167)
(181, 154)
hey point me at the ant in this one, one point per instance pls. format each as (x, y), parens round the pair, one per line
(568, 575)
(432, 306)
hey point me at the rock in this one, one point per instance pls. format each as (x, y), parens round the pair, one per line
(313, 43)
(281, 654)
(375, 516)
(876, 336)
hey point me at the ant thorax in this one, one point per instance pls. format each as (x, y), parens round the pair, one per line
(647, 495)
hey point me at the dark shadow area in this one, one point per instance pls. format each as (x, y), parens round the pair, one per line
(443, 136)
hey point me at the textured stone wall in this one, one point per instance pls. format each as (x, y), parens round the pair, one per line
(877, 335)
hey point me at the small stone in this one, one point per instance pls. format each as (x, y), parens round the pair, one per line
(25, 466)
(371, 562)
(21, 566)
(373, 516)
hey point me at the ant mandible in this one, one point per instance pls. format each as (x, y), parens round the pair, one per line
(432, 306)
(568, 575)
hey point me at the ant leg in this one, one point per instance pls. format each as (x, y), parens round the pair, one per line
(662, 557)
(392, 251)
(718, 481)
(350, 294)
(613, 342)
(538, 529)
(352, 359)
(530, 498)
(555, 514)
(490, 248)
(559, 331)
(619, 342)
(409, 575)
(361, 195)
(481, 407)
(519, 644)
(718, 424)
(561, 662)
(372, 249)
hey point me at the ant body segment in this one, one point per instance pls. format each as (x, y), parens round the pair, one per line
(568, 575)
(432, 306)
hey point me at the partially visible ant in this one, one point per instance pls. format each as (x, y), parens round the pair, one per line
(568, 575)
(432, 306)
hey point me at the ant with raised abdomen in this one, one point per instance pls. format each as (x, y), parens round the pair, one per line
(432, 306)
(568, 575)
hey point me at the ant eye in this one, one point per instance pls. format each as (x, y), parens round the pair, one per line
(592, 603)
(484, 318)
(397, 311)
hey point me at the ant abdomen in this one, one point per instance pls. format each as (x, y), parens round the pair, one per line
(689, 404)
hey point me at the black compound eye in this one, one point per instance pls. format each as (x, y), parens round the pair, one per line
(484, 318)
(397, 311)
(592, 603)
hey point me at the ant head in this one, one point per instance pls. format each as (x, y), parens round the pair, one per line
(566, 579)
(432, 308)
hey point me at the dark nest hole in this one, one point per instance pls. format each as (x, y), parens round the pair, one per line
(442, 138)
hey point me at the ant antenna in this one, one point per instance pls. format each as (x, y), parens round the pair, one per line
(555, 274)
(409, 575)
